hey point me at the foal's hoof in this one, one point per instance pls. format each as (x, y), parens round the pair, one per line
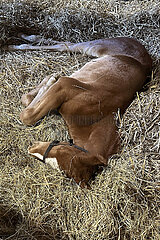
(26, 99)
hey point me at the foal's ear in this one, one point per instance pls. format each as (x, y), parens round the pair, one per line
(85, 185)
(99, 160)
(93, 160)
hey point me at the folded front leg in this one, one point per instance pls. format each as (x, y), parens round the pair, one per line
(44, 103)
(34, 95)
(62, 91)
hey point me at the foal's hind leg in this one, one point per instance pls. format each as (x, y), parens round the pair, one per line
(96, 48)
(37, 39)
(39, 90)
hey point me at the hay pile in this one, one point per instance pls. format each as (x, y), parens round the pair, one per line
(39, 203)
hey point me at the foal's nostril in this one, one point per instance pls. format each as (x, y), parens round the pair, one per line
(32, 148)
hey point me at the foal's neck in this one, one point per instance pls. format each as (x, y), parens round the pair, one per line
(100, 138)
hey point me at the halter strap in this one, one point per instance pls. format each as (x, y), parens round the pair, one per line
(51, 145)
(74, 145)
(56, 143)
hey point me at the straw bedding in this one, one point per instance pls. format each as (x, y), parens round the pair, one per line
(37, 202)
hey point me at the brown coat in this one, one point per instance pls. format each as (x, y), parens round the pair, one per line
(88, 100)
